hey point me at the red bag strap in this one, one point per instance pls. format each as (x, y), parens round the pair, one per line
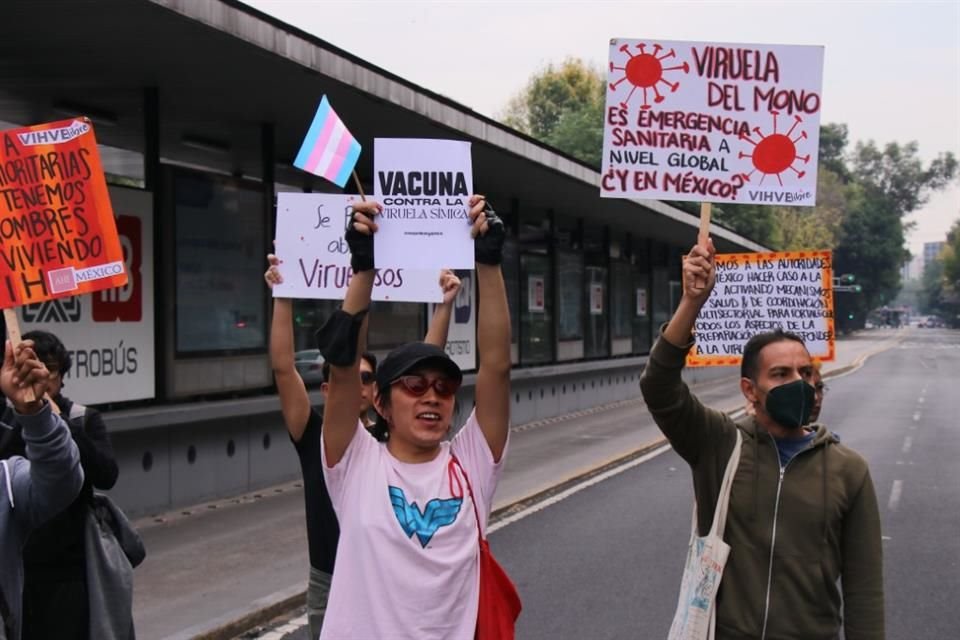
(452, 477)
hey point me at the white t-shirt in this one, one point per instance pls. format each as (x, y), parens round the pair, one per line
(408, 558)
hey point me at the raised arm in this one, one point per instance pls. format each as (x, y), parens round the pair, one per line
(344, 337)
(679, 414)
(493, 329)
(440, 324)
(52, 478)
(294, 399)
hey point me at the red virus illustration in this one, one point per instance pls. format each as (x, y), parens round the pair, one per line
(775, 153)
(645, 71)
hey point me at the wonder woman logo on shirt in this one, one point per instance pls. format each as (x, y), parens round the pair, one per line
(438, 513)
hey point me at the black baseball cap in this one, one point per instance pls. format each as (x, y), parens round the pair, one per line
(415, 355)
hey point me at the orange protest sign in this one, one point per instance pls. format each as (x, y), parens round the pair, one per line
(757, 292)
(57, 232)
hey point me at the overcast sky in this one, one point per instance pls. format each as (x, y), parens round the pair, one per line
(891, 70)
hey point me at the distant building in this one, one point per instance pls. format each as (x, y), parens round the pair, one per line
(913, 269)
(931, 251)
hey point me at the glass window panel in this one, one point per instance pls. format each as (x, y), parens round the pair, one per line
(395, 323)
(622, 299)
(661, 296)
(596, 339)
(220, 305)
(642, 319)
(536, 313)
(570, 300)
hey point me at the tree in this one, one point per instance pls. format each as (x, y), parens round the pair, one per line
(805, 228)
(886, 185)
(563, 107)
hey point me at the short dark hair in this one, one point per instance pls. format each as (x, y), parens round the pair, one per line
(366, 355)
(750, 363)
(49, 349)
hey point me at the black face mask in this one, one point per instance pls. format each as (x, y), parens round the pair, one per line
(790, 404)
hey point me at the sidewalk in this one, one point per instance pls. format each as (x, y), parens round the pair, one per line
(216, 563)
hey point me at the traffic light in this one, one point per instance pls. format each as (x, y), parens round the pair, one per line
(849, 316)
(848, 278)
(857, 288)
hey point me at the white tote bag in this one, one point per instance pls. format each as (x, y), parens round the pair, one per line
(696, 614)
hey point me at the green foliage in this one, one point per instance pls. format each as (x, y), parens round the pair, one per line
(941, 280)
(562, 106)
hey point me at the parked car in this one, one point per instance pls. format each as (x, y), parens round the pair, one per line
(309, 364)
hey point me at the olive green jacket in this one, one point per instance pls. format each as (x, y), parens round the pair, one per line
(794, 533)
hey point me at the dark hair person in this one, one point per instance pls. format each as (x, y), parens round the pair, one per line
(408, 559)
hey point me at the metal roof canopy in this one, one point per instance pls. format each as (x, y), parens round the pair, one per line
(222, 69)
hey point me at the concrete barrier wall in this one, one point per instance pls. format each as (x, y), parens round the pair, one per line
(168, 462)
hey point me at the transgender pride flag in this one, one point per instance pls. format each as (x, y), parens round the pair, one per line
(329, 150)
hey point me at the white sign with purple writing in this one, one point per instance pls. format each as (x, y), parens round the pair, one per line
(424, 187)
(316, 258)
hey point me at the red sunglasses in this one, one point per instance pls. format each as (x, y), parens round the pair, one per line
(417, 385)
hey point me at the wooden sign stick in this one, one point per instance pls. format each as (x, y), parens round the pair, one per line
(13, 331)
(703, 236)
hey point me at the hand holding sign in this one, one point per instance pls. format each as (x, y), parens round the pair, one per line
(699, 273)
(23, 378)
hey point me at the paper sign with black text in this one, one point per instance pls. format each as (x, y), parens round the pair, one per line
(424, 187)
(316, 258)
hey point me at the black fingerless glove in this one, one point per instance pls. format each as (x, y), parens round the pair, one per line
(488, 247)
(361, 248)
(337, 338)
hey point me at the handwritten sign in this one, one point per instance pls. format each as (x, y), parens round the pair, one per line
(57, 232)
(316, 258)
(424, 187)
(757, 292)
(712, 122)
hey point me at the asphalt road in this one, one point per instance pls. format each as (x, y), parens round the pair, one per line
(605, 562)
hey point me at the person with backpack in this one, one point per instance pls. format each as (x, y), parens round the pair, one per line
(32, 488)
(55, 595)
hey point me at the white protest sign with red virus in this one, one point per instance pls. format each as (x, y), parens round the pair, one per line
(712, 122)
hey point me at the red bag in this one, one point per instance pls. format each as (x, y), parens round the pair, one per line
(500, 604)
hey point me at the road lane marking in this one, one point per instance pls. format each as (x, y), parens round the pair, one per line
(916, 417)
(563, 495)
(907, 443)
(895, 495)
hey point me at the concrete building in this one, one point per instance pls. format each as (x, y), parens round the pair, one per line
(931, 251)
(200, 107)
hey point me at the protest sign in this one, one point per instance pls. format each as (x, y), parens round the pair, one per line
(316, 258)
(57, 232)
(712, 122)
(424, 187)
(757, 292)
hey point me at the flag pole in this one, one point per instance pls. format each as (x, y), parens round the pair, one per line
(356, 181)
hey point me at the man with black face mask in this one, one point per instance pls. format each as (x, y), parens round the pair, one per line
(802, 514)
